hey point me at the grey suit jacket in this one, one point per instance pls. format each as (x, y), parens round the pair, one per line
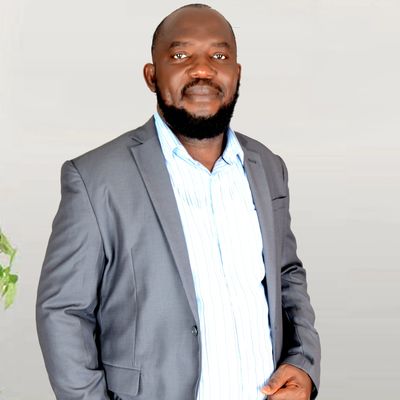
(116, 306)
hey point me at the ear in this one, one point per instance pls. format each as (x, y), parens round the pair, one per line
(149, 73)
(239, 71)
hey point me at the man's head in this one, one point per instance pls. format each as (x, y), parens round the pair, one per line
(194, 73)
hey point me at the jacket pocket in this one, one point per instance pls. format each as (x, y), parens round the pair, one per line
(279, 202)
(122, 380)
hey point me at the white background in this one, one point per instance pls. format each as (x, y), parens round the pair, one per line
(320, 87)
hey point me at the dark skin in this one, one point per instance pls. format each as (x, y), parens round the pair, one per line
(198, 43)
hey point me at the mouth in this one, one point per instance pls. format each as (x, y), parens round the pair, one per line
(201, 92)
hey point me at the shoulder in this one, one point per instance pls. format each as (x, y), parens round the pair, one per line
(115, 152)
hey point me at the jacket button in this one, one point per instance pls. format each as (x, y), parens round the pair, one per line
(195, 331)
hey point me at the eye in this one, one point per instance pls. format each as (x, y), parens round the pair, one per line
(179, 56)
(220, 56)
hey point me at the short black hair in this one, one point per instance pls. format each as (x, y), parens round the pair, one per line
(157, 32)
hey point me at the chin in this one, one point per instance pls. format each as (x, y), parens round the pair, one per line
(202, 111)
(201, 114)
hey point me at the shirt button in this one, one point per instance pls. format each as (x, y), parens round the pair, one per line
(195, 331)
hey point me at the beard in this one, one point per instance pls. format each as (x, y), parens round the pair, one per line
(184, 123)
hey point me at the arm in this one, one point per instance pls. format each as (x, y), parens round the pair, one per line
(67, 295)
(301, 346)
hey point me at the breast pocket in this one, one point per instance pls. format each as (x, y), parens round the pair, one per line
(279, 206)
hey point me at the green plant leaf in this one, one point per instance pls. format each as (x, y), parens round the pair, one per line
(10, 294)
(5, 246)
(8, 280)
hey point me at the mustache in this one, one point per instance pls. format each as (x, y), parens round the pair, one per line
(201, 81)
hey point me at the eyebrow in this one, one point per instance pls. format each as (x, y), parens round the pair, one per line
(221, 44)
(178, 43)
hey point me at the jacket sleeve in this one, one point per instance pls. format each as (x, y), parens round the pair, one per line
(301, 345)
(67, 295)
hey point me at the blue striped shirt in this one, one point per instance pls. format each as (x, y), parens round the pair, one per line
(224, 244)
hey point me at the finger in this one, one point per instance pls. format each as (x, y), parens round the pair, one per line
(289, 393)
(281, 394)
(277, 380)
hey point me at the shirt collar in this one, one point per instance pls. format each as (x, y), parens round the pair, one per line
(171, 146)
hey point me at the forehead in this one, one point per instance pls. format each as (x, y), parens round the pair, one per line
(197, 25)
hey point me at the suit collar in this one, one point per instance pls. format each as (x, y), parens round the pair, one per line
(144, 133)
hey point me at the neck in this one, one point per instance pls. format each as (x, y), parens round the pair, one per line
(205, 151)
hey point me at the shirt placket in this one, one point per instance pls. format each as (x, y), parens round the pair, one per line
(216, 205)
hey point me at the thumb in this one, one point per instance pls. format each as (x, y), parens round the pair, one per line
(275, 383)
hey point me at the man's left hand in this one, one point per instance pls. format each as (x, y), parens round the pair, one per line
(288, 383)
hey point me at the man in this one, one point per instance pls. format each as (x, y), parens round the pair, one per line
(171, 272)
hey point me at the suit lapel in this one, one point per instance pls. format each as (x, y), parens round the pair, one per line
(262, 199)
(150, 161)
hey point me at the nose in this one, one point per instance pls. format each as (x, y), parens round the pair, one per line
(201, 68)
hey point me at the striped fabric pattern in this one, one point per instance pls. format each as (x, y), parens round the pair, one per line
(224, 243)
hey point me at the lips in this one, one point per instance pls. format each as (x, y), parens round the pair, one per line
(201, 90)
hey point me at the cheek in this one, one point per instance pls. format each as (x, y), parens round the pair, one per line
(230, 83)
(229, 75)
(171, 95)
(176, 84)
(166, 95)
(171, 86)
